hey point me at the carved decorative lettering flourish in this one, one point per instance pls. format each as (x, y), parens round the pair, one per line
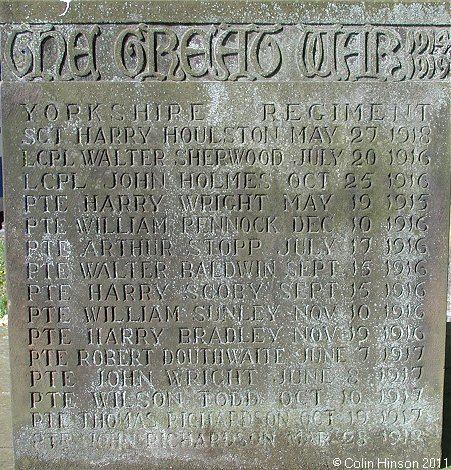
(370, 52)
(145, 52)
(44, 53)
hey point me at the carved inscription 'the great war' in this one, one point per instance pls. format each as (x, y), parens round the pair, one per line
(227, 52)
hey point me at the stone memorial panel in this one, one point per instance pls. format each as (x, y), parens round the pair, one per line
(227, 233)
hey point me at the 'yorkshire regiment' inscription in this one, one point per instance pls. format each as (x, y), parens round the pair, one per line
(206, 274)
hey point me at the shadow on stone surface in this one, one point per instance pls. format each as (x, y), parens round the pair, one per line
(446, 441)
(6, 452)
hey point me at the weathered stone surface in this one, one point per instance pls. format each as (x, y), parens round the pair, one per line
(227, 233)
(6, 451)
